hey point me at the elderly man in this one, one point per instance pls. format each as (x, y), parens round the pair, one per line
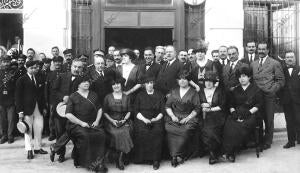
(166, 79)
(291, 99)
(250, 54)
(269, 77)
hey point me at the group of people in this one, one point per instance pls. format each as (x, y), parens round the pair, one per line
(165, 104)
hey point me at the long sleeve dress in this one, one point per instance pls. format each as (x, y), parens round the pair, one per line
(179, 135)
(212, 127)
(198, 72)
(89, 143)
(148, 140)
(235, 132)
(120, 137)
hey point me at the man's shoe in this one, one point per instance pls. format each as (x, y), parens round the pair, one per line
(52, 154)
(231, 158)
(289, 145)
(266, 146)
(40, 151)
(174, 162)
(298, 142)
(3, 140)
(61, 158)
(51, 138)
(30, 155)
(101, 169)
(156, 165)
(11, 140)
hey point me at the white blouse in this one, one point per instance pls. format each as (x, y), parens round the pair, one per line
(209, 93)
(126, 70)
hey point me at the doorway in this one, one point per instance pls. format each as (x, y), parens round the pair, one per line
(138, 38)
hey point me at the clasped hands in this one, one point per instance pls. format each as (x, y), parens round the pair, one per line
(181, 121)
(206, 107)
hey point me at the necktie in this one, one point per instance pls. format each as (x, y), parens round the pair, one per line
(223, 62)
(32, 80)
(251, 58)
(231, 68)
(119, 68)
(167, 66)
(261, 62)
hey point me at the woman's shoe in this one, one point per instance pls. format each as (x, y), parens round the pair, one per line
(174, 162)
(120, 162)
(156, 165)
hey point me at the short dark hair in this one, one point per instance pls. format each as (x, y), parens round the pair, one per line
(263, 42)
(31, 50)
(149, 48)
(251, 41)
(243, 70)
(128, 52)
(54, 47)
(214, 51)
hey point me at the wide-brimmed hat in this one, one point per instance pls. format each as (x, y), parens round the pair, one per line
(22, 126)
(61, 109)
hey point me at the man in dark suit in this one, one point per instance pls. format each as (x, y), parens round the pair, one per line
(7, 106)
(268, 76)
(101, 78)
(250, 54)
(159, 55)
(30, 105)
(63, 87)
(291, 99)
(183, 58)
(50, 95)
(68, 56)
(149, 68)
(223, 56)
(230, 80)
(21, 68)
(166, 79)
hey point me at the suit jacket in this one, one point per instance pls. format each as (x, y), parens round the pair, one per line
(166, 79)
(270, 77)
(7, 87)
(63, 86)
(291, 89)
(229, 78)
(246, 58)
(152, 71)
(50, 79)
(27, 95)
(101, 85)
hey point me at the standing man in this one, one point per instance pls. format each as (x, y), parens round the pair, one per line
(230, 80)
(223, 56)
(50, 95)
(268, 76)
(191, 55)
(21, 66)
(63, 87)
(149, 68)
(291, 99)
(183, 58)
(250, 54)
(166, 79)
(118, 61)
(7, 106)
(159, 54)
(111, 49)
(68, 60)
(30, 105)
(30, 54)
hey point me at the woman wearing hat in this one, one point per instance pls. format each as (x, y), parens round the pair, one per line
(246, 100)
(84, 114)
(212, 100)
(148, 125)
(117, 109)
(130, 73)
(200, 67)
(182, 107)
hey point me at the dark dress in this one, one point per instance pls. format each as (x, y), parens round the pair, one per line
(235, 133)
(120, 137)
(213, 122)
(89, 144)
(179, 135)
(198, 72)
(148, 140)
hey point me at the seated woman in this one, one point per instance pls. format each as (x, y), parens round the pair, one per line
(116, 109)
(246, 100)
(84, 114)
(212, 100)
(148, 125)
(182, 107)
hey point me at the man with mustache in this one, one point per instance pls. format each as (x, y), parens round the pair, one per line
(250, 54)
(183, 58)
(269, 77)
(159, 54)
(68, 60)
(63, 87)
(118, 61)
(149, 68)
(291, 99)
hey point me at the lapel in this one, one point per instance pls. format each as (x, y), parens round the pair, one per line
(295, 72)
(265, 65)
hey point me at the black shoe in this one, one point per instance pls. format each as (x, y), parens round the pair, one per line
(289, 145)
(156, 165)
(3, 140)
(11, 140)
(51, 138)
(266, 146)
(40, 151)
(120, 162)
(212, 158)
(30, 155)
(62, 158)
(231, 158)
(174, 162)
(101, 169)
(180, 160)
(298, 142)
(52, 154)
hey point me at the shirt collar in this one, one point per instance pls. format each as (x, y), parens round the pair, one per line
(171, 62)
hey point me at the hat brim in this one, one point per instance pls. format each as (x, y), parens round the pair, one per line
(61, 109)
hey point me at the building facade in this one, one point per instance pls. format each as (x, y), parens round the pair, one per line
(85, 25)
